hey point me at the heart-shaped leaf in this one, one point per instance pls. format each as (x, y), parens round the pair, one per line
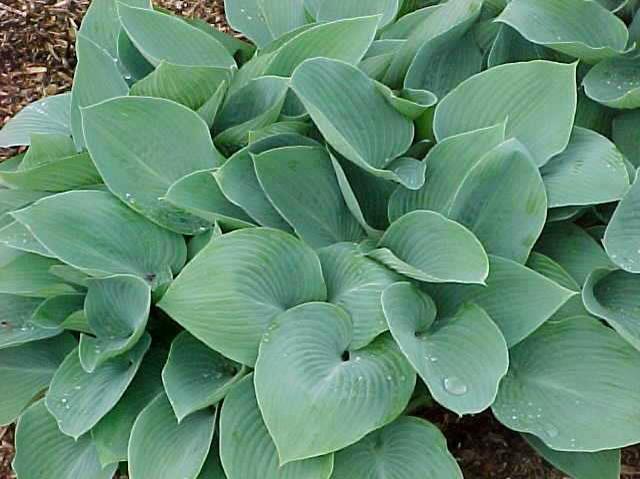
(312, 400)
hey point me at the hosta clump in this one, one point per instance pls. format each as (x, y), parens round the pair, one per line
(247, 260)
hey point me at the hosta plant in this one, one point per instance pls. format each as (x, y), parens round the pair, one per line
(264, 259)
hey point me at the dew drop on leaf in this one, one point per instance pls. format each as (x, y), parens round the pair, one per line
(454, 385)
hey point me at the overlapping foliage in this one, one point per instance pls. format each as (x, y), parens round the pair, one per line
(223, 259)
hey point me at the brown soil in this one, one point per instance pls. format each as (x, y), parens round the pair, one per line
(37, 59)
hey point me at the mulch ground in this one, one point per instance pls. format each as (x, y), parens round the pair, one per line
(37, 59)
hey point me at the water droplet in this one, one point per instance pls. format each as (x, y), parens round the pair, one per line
(360, 378)
(454, 385)
(63, 401)
(403, 378)
(219, 375)
(515, 418)
(206, 375)
(249, 17)
(357, 358)
(389, 378)
(77, 388)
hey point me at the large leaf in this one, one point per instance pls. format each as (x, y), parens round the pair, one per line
(302, 186)
(355, 283)
(196, 377)
(101, 23)
(507, 220)
(27, 370)
(461, 359)
(405, 449)
(590, 171)
(445, 22)
(564, 376)
(448, 164)
(580, 465)
(444, 62)
(159, 36)
(367, 196)
(227, 296)
(190, 86)
(27, 274)
(335, 94)
(135, 143)
(573, 249)
(111, 434)
(45, 148)
(254, 106)
(50, 115)
(96, 78)
(59, 175)
(426, 246)
(532, 298)
(622, 237)
(343, 40)
(312, 400)
(199, 194)
(614, 82)
(78, 399)
(537, 100)
(579, 28)
(160, 446)
(238, 181)
(117, 309)
(246, 448)
(108, 237)
(246, 16)
(65, 458)
(613, 296)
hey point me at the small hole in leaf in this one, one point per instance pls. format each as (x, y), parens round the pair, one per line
(4, 324)
(150, 277)
(345, 356)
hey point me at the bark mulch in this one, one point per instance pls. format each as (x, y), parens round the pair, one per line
(37, 59)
